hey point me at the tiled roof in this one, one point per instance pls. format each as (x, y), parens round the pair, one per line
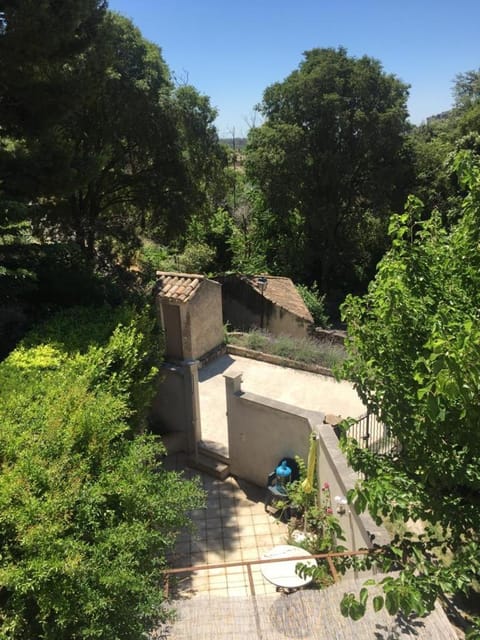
(177, 287)
(282, 292)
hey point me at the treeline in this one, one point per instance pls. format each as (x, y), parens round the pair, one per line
(98, 150)
(107, 164)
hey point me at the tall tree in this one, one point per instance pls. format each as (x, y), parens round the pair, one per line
(414, 347)
(110, 164)
(331, 154)
(206, 158)
(39, 42)
(436, 142)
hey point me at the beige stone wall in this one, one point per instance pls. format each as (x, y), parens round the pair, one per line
(282, 322)
(244, 308)
(169, 412)
(204, 321)
(262, 431)
(175, 408)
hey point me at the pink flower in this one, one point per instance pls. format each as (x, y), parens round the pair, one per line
(329, 510)
(325, 486)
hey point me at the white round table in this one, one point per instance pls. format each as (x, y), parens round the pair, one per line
(282, 574)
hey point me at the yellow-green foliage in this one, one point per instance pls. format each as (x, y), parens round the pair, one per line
(44, 356)
(86, 511)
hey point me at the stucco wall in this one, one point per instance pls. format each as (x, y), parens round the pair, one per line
(205, 320)
(169, 412)
(261, 431)
(280, 321)
(175, 408)
(242, 308)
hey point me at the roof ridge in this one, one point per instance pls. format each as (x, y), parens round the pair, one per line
(179, 274)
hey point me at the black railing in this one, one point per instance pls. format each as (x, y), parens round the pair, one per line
(371, 433)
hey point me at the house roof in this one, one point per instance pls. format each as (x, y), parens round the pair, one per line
(282, 292)
(177, 287)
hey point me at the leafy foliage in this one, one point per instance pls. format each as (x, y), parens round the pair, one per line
(414, 353)
(315, 303)
(87, 511)
(329, 163)
(124, 153)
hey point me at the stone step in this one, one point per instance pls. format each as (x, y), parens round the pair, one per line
(210, 465)
(214, 450)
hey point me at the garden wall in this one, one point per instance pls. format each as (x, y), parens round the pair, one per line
(262, 431)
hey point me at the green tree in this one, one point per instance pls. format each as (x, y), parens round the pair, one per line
(414, 354)
(110, 165)
(330, 163)
(206, 158)
(39, 44)
(435, 143)
(87, 511)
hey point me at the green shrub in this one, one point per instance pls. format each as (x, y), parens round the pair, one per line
(197, 257)
(87, 512)
(258, 341)
(315, 303)
(156, 257)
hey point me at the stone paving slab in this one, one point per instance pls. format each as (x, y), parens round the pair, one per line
(217, 604)
(233, 527)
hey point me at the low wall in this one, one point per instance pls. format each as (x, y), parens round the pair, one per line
(262, 431)
(175, 408)
(236, 350)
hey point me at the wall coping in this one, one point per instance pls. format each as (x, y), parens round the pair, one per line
(236, 350)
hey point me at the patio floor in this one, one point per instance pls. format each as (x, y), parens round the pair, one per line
(233, 527)
(216, 604)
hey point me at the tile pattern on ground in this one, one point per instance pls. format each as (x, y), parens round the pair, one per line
(233, 527)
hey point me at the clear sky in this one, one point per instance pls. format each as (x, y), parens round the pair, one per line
(231, 51)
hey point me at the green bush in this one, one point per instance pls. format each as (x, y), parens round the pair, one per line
(87, 513)
(258, 341)
(315, 303)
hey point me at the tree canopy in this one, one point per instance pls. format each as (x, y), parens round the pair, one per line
(87, 511)
(330, 164)
(124, 154)
(414, 346)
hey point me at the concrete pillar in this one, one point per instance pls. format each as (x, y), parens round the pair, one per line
(192, 407)
(233, 385)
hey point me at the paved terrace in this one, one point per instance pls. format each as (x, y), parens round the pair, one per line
(216, 604)
(300, 388)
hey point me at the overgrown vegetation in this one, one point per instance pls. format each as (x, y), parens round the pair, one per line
(105, 164)
(305, 350)
(414, 353)
(87, 512)
(315, 303)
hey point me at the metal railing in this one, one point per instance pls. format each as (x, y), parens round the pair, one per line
(371, 433)
(328, 557)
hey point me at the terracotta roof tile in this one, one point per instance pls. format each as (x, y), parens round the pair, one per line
(177, 287)
(282, 292)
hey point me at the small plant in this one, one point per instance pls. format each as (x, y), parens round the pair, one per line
(313, 527)
(258, 341)
(298, 349)
(315, 303)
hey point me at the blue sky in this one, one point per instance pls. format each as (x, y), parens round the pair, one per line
(231, 51)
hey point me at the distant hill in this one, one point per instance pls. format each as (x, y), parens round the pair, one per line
(240, 143)
(440, 116)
